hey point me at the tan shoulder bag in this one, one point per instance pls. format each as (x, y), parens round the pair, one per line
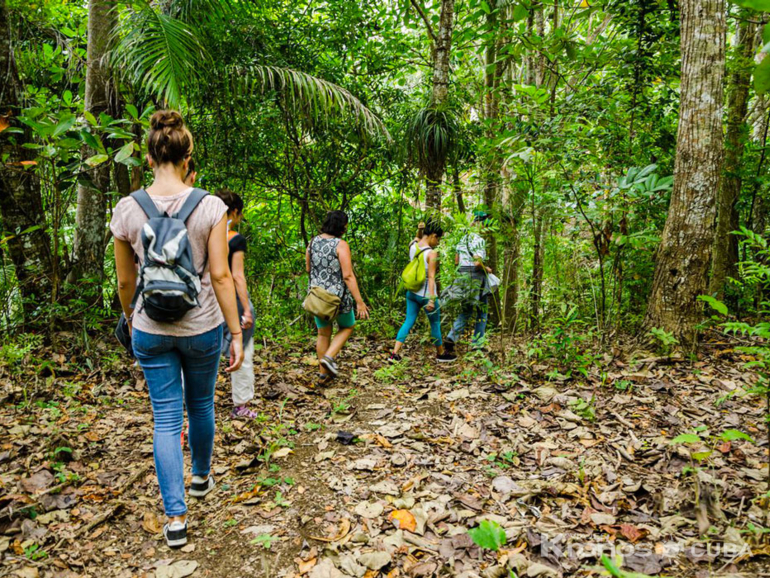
(320, 302)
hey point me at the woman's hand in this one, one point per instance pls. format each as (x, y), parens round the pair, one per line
(362, 311)
(236, 353)
(247, 322)
(431, 306)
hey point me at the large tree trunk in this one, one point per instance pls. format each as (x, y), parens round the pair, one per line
(92, 199)
(684, 255)
(726, 245)
(21, 206)
(439, 94)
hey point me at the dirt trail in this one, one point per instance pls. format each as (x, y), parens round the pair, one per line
(568, 469)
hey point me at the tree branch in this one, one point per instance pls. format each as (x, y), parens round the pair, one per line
(425, 19)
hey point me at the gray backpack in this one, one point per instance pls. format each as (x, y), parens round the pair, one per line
(168, 282)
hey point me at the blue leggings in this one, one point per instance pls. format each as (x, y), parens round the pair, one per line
(414, 303)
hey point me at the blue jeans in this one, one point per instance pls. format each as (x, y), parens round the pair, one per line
(414, 303)
(469, 309)
(165, 361)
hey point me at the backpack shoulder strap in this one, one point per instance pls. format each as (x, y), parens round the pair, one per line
(146, 203)
(192, 201)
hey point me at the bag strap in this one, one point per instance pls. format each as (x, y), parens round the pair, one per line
(192, 201)
(146, 203)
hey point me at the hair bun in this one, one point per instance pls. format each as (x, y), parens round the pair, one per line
(166, 119)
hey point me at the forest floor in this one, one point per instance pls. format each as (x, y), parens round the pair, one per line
(568, 468)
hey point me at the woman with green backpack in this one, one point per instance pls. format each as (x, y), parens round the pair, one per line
(419, 279)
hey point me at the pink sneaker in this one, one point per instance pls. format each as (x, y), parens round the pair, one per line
(243, 412)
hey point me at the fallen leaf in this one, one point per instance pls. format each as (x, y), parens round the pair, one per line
(403, 520)
(152, 523)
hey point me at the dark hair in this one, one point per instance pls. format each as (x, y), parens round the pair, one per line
(190, 168)
(433, 228)
(169, 140)
(335, 223)
(234, 202)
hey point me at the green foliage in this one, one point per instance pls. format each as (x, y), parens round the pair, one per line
(488, 535)
(665, 340)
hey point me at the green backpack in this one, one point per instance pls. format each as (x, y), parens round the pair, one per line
(413, 276)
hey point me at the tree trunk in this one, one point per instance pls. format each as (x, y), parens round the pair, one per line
(440, 92)
(21, 206)
(92, 199)
(513, 207)
(726, 245)
(537, 266)
(684, 255)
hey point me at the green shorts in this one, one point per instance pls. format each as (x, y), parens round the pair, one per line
(344, 320)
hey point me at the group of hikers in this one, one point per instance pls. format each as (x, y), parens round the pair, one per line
(182, 287)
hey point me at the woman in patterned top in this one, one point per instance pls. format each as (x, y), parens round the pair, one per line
(330, 266)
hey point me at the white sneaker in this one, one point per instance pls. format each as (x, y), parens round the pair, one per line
(201, 486)
(175, 534)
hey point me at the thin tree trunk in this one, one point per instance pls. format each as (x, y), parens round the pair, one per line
(21, 205)
(513, 207)
(458, 190)
(92, 198)
(684, 255)
(537, 266)
(439, 94)
(726, 245)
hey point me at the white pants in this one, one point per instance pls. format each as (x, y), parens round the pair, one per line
(243, 377)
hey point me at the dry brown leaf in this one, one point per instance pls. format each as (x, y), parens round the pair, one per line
(344, 529)
(305, 566)
(152, 523)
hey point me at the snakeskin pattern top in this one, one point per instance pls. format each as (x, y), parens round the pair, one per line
(326, 272)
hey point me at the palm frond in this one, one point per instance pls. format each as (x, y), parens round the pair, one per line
(316, 97)
(158, 53)
(204, 10)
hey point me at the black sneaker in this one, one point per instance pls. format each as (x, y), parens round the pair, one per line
(200, 487)
(446, 357)
(175, 534)
(330, 365)
(449, 346)
(394, 358)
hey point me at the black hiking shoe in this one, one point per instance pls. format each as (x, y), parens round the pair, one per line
(199, 487)
(449, 346)
(446, 357)
(175, 534)
(394, 358)
(330, 365)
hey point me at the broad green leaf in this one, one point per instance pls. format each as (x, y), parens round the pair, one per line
(90, 118)
(700, 456)
(766, 34)
(131, 109)
(519, 13)
(489, 535)
(730, 435)
(64, 125)
(96, 160)
(125, 152)
(762, 75)
(715, 304)
(686, 439)
(761, 5)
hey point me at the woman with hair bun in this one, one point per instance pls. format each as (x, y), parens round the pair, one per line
(188, 348)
